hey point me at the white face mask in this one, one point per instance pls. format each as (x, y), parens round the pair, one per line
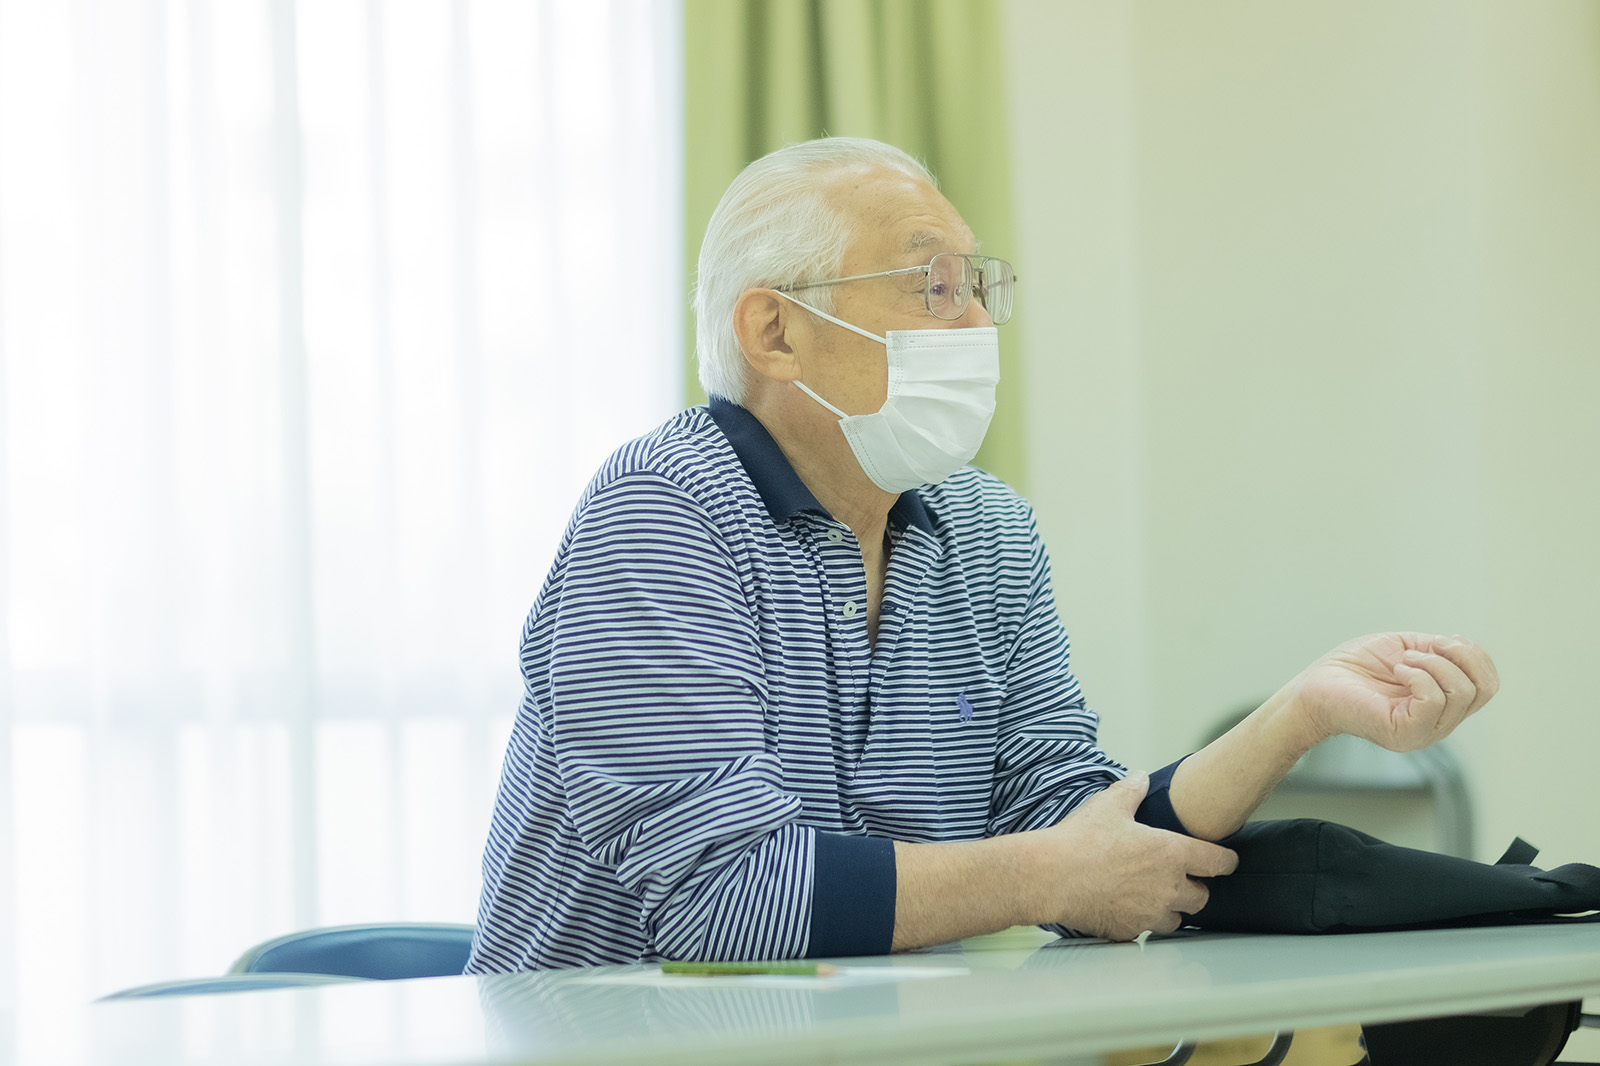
(940, 403)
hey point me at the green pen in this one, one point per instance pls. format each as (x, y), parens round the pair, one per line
(743, 969)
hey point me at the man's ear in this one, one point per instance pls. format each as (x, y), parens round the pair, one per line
(765, 325)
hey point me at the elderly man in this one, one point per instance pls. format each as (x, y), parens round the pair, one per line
(795, 682)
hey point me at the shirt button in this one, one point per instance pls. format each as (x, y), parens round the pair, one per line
(849, 608)
(835, 536)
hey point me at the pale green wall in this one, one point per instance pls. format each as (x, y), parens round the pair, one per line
(1321, 357)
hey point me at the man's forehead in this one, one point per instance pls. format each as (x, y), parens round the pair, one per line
(903, 215)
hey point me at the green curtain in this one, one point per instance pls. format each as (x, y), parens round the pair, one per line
(925, 75)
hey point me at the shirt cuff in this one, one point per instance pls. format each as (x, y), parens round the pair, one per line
(852, 896)
(1156, 810)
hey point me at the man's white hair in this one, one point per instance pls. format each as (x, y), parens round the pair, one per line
(774, 226)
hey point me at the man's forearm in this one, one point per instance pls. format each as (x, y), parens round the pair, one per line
(951, 891)
(1215, 790)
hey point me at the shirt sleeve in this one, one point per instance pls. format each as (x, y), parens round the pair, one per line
(1048, 760)
(656, 706)
(1156, 811)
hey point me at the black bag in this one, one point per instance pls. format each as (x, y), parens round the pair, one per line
(1303, 875)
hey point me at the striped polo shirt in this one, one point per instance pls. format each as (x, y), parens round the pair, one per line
(712, 761)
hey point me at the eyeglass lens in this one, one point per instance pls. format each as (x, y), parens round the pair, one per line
(952, 279)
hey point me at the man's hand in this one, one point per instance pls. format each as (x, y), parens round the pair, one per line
(1106, 874)
(1402, 691)
(1096, 870)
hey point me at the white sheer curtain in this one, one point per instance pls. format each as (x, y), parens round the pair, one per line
(314, 320)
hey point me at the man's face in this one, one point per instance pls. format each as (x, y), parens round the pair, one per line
(901, 222)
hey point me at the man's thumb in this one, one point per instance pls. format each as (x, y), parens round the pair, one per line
(1130, 791)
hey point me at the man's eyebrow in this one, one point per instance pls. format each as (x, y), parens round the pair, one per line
(924, 238)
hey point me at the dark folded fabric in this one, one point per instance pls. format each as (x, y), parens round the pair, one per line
(1531, 1037)
(1303, 875)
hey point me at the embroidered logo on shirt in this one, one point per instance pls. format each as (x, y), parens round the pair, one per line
(964, 707)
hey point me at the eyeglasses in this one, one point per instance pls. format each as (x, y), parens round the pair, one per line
(951, 279)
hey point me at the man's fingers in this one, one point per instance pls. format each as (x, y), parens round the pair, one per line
(1472, 661)
(1129, 792)
(1459, 691)
(1192, 898)
(1205, 859)
(1424, 689)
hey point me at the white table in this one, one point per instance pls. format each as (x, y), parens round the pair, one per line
(1024, 995)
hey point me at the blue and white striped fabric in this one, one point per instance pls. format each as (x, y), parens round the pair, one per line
(711, 758)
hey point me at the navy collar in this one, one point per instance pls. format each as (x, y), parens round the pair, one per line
(780, 487)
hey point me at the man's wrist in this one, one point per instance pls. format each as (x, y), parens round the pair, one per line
(1215, 790)
(1293, 723)
(1023, 880)
(949, 891)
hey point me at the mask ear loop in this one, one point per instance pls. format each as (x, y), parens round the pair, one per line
(802, 386)
(836, 321)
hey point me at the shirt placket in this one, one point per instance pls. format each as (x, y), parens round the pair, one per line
(909, 562)
(844, 608)
(898, 744)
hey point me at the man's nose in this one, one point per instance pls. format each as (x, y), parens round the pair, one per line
(976, 316)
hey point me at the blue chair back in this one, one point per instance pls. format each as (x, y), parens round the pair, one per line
(382, 952)
(231, 982)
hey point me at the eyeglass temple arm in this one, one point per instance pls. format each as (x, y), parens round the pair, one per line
(852, 277)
